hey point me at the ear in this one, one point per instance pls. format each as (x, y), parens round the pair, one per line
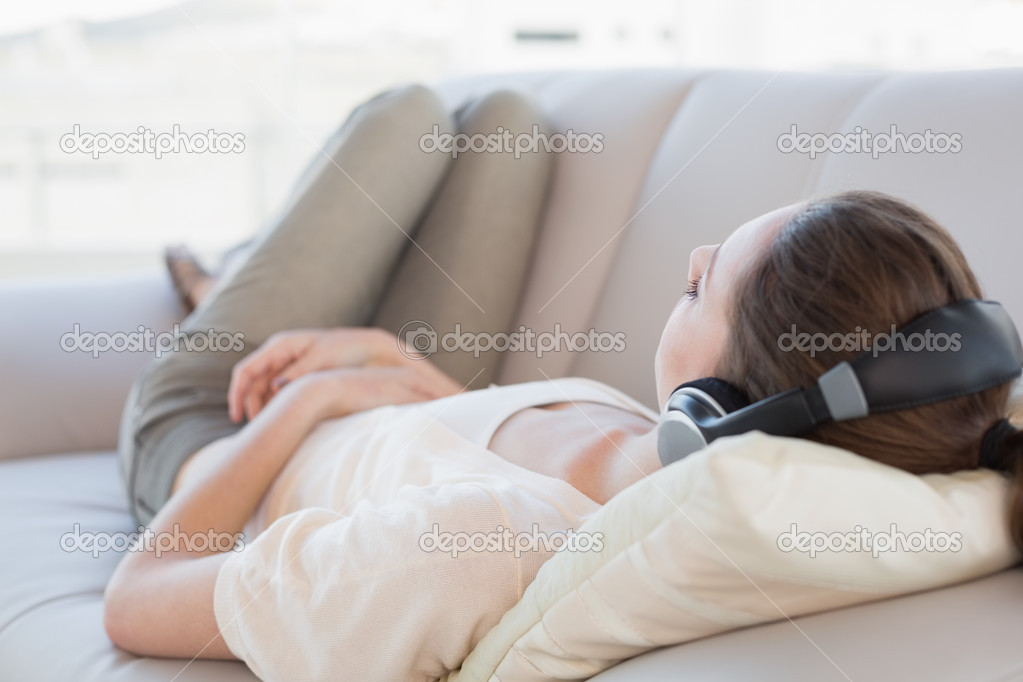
(727, 395)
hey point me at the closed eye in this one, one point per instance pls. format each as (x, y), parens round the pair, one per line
(694, 289)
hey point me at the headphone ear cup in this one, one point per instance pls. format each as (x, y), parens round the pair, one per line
(725, 394)
(679, 432)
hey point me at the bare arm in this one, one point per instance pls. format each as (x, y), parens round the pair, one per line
(163, 605)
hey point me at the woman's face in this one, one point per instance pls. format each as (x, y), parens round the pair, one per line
(696, 332)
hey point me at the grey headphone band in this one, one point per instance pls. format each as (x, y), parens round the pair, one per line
(987, 353)
(842, 393)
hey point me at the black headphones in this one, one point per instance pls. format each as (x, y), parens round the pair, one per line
(962, 348)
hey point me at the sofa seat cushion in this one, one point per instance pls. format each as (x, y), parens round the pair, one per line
(51, 600)
(965, 632)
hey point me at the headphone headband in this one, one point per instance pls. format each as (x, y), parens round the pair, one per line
(989, 354)
(979, 349)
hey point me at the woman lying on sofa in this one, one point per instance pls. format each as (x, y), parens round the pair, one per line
(334, 449)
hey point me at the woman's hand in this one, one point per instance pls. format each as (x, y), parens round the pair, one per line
(287, 356)
(333, 393)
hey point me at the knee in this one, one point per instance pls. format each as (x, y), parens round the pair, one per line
(414, 105)
(509, 109)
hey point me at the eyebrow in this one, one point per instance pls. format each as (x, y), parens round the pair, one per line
(710, 264)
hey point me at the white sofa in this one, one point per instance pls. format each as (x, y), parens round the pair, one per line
(688, 156)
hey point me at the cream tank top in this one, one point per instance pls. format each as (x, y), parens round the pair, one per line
(339, 462)
(476, 415)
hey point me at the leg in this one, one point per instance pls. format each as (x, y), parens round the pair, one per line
(324, 262)
(479, 233)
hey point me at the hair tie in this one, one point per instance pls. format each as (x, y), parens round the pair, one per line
(991, 447)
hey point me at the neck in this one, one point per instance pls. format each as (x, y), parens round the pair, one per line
(635, 458)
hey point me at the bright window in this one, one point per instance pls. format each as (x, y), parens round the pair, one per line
(283, 74)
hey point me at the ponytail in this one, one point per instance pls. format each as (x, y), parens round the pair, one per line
(1001, 449)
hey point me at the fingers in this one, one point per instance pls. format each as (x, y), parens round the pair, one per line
(274, 377)
(243, 376)
(304, 364)
(286, 356)
(255, 387)
(256, 397)
(250, 378)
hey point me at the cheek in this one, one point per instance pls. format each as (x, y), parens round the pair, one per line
(691, 345)
(676, 346)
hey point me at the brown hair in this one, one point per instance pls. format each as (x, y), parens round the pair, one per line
(863, 259)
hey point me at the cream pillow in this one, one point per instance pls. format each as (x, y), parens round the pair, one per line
(724, 538)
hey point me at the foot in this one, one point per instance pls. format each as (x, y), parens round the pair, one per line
(191, 280)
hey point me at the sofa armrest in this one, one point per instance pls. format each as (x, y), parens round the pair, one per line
(58, 400)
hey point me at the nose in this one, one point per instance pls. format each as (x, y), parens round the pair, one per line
(698, 260)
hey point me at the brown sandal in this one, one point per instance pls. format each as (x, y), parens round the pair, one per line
(187, 275)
